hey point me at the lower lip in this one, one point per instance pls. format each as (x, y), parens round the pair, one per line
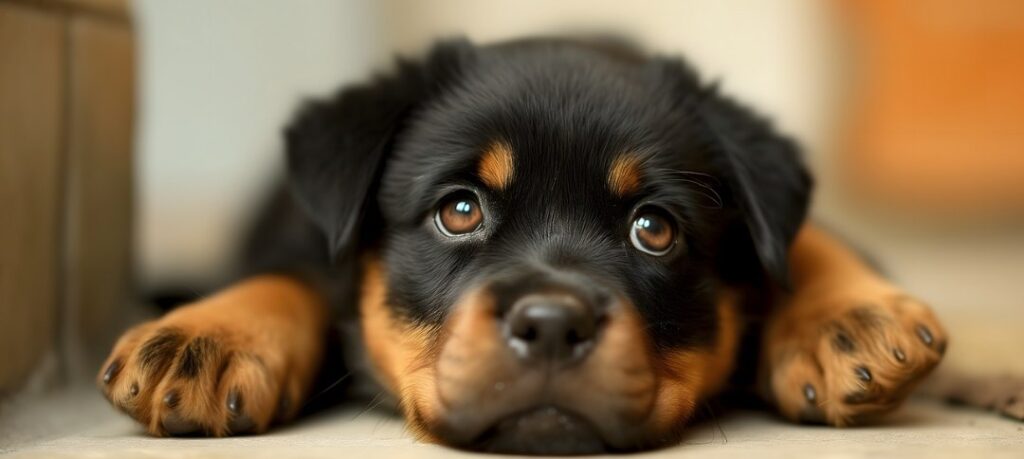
(546, 430)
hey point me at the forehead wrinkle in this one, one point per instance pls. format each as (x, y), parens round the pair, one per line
(496, 166)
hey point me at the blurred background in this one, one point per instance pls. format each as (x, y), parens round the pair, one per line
(136, 138)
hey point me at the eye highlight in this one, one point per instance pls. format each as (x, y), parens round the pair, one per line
(652, 233)
(459, 214)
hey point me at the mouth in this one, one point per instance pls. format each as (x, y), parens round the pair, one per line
(546, 430)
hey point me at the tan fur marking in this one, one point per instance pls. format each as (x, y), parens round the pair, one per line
(625, 177)
(620, 372)
(463, 368)
(694, 375)
(400, 353)
(496, 167)
(265, 334)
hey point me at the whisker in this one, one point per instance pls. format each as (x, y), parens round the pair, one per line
(374, 402)
(701, 174)
(327, 389)
(711, 412)
(706, 190)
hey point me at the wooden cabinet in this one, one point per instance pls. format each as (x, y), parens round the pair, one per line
(67, 87)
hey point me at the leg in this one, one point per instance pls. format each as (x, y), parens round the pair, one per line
(1003, 394)
(846, 344)
(228, 364)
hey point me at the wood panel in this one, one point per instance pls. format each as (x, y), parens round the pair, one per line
(117, 9)
(31, 91)
(99, 194)
(112, 7)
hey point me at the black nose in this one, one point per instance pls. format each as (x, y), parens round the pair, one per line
(555, 327)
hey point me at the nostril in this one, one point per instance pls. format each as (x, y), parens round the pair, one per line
(523, 327)
(530, 334)
(580, 334)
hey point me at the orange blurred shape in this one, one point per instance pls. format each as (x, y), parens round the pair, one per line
(938, 104)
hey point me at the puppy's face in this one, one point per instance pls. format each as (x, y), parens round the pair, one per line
(545, 249)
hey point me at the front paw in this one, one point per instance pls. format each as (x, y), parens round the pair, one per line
(852, 357)
(231, 364)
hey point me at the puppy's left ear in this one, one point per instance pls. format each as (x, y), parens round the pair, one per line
(767, 180)
(337, 148)
(766, 176)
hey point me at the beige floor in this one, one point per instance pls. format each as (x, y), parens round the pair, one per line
(80, 424)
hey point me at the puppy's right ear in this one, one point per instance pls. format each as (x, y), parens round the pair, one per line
(337, 148)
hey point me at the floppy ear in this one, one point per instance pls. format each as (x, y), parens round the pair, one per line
(766, 177)
(763, 170)
(337, 148)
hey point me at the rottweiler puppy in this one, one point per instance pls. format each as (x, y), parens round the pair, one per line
(540, 246)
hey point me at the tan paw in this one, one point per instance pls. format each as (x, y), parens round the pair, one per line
(227, 365)
(850, 356)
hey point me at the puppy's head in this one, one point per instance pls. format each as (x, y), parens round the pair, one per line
(550, 237)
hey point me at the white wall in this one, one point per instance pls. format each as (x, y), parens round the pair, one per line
(219, 79)
(771, 54)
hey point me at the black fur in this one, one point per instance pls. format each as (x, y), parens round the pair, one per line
(196, 354)
(158, 352)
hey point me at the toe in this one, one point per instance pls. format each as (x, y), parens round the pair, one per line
(111, 372)
(921, 323)
(176, 425)
(184, 400)
(119, 355)
(239, 422)
(248, 394)
(799, 390)
(130, 378)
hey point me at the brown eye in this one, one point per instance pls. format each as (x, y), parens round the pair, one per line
(652, 234)
(459, 215)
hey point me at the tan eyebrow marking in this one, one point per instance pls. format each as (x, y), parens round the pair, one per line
(625, 177)
(496, 166)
